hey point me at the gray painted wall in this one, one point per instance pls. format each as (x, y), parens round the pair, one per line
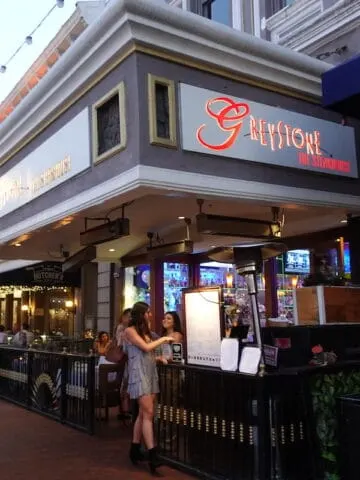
(99, 173)
(228, 167)
(134, 72)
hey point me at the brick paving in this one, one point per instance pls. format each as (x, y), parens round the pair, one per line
(33, 447)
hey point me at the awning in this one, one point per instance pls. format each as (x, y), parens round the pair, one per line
(341, 88)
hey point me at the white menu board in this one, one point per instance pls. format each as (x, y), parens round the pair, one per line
(203, 329)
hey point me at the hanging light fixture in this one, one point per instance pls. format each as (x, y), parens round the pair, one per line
(29, 40)
(229, 280)
(60, 3)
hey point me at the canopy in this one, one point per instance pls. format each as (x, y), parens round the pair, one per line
(341, 88)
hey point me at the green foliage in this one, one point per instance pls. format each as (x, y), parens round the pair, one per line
(324, 391)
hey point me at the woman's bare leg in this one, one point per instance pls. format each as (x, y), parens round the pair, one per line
(146, 403)
(138, 427)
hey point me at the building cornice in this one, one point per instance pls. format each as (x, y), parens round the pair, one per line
(127, 23)
(142, 180)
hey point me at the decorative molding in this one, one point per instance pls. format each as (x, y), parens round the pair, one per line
(295, 14)
(119, 90)
(306, 26)
(170, 142)
(142, 180)
(125, 24)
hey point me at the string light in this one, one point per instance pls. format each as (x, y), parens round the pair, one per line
(29, 38)
(9, 289)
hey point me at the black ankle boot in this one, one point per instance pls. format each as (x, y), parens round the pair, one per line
(154, 461)
(135, 453)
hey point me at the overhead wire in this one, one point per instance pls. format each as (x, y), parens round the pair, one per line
(3, 66)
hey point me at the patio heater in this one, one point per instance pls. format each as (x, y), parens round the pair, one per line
(248, 262)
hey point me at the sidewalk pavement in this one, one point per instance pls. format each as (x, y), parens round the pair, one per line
(33, 447)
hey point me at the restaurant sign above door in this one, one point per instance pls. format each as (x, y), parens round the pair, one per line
(59, 158)
(219, 124)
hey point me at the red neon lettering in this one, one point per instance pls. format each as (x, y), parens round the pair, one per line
(262, 124)
(303, 158)
(254, 131)
(317, 142)
(309, 143)
(272, 136)
(232, 112)
(298, 138)
(288, 135)
(281, 140)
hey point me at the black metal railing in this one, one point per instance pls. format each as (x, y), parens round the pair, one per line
(207, 419)
(61, 344)
(61, 386)
(224, 425)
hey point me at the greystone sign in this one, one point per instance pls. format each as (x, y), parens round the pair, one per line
(219, 124)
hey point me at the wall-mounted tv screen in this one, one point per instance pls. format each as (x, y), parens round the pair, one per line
(297, 261)
(347, 268)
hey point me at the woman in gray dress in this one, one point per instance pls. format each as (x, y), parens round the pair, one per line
(143, 379)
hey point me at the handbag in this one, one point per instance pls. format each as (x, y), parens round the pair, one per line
(115, 353)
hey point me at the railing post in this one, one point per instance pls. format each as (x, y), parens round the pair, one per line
(64, 382)
(30, 360)
(91, 387)
(263, 453)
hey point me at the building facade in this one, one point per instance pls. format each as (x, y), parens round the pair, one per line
(325, 29)
(142, 125)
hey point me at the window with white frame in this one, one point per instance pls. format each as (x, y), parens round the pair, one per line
(277, 5)
(218, 10)
(176, 3)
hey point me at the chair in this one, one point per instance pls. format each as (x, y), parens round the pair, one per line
(108, 392)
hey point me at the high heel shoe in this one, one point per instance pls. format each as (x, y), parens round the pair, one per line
(135, 453)
(154, 461)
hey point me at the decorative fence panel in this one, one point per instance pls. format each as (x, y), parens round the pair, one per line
(61, 386)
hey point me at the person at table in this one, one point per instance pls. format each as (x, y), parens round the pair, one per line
(102, 343)
(3, 335)
(143, 380)
(24, 337)
(122, 325)
(171, 327)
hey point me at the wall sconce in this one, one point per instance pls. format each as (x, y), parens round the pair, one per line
(69, 304)
(229, 280)
(294, 282)
(25, 308)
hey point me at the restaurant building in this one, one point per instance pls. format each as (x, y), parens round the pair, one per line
(136, 131)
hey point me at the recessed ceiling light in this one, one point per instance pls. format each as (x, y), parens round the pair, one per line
(111, 249)
(181, 218)
(17, 244)
(343, 220)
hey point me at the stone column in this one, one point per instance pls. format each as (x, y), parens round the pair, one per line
(104, 297)
(89, 295)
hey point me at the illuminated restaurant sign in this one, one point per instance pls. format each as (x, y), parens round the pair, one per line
(218, 124)
(59, 158)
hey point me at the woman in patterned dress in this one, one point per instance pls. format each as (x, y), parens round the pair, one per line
(143, 379)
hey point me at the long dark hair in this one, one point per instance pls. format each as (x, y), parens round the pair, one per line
(177, 323)
(100, 334)
(138, 320)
